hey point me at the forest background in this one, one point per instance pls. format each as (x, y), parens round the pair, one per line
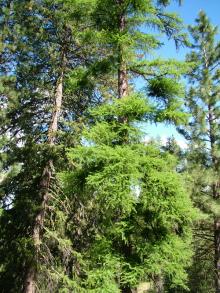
(89, 202)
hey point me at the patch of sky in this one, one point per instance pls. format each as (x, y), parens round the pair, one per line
(188, 11)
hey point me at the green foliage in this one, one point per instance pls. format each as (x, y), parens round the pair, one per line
(121, 215)
(142, 213)
(202, 102)
(35, 37)
(130, 46)
(164, 88)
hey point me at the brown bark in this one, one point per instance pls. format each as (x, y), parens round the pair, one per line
(216, 229)
(122, 92)
(217, 254)
(56, 111)
(29, 281)
(215, 195)
(44, 193)
(122, 69)
(122, 81)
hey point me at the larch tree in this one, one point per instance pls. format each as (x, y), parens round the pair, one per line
(127, 200)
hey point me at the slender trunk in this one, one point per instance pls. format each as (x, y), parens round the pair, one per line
(217, 254)
(216, 230)
(215, 194)
(56, 111)
(122, 81)
(122, 69)
(122, 92)
(44, 194)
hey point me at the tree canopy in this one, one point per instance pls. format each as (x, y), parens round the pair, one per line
(88, 203)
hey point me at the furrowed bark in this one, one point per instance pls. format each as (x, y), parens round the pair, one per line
(44, 194)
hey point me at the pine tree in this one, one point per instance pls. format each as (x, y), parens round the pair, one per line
(203, 134)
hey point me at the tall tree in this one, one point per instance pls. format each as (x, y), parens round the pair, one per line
(48, 44)
(203, 133)
(106, 182)
(131, 44)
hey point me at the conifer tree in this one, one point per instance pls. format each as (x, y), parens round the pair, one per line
(48, 44)
(110, 233)
(108, 188)
(203, 134)
(130, 46)
(129, 204)
(6, 68)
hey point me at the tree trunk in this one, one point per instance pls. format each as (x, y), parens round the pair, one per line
(122, 81)
(29, 281)
(44, 193)
(126, 290)
(215, 195)
(159, 284)
(122, 70)
(217, 254)
(122, 88)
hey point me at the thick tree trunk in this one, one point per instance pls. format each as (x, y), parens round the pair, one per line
(38, 225)
(44, 193)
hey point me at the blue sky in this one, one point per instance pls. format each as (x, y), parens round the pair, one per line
(188, 11)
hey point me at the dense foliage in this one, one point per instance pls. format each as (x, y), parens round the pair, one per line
(86, 204)
(141, 229)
